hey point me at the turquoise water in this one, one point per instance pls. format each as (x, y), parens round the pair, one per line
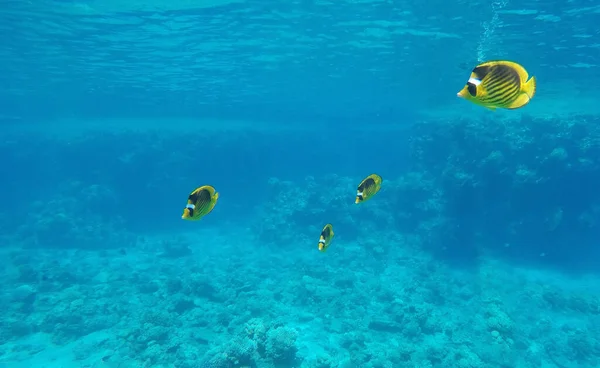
(480, 249)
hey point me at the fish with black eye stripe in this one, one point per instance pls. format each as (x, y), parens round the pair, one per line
(326, 237)
(499, 84)
(200, 203)
(368, 188)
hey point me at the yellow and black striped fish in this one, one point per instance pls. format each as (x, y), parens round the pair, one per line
(200, 202)
(499, 84)
(368, 188)
(326, 236)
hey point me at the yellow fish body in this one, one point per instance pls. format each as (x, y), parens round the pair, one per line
(368, 188)
(200, 203)
(499, 84)
(326, 236)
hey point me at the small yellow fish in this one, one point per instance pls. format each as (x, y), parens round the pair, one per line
(200, 203)
(499, 84)
(368, 188)
(326, 236)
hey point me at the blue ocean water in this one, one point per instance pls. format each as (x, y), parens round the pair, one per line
(480, 249)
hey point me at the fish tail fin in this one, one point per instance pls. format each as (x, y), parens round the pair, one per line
(530, 87)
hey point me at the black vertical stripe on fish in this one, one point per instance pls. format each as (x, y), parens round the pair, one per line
(364, 189)
(196, 199)
(325, 233)
(192, 200)
(472, 89)
(494, 77)
(481, 71)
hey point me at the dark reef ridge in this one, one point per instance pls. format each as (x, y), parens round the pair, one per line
(518, 188)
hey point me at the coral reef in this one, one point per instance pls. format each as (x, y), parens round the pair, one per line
(161, 312)
(471, 255)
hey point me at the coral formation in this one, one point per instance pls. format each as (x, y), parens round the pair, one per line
(468, 257)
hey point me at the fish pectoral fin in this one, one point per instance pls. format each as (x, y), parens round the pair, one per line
(493, 108)
(521, 101)
(530, 87)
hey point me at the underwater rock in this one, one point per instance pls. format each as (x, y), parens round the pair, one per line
(24, 294)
